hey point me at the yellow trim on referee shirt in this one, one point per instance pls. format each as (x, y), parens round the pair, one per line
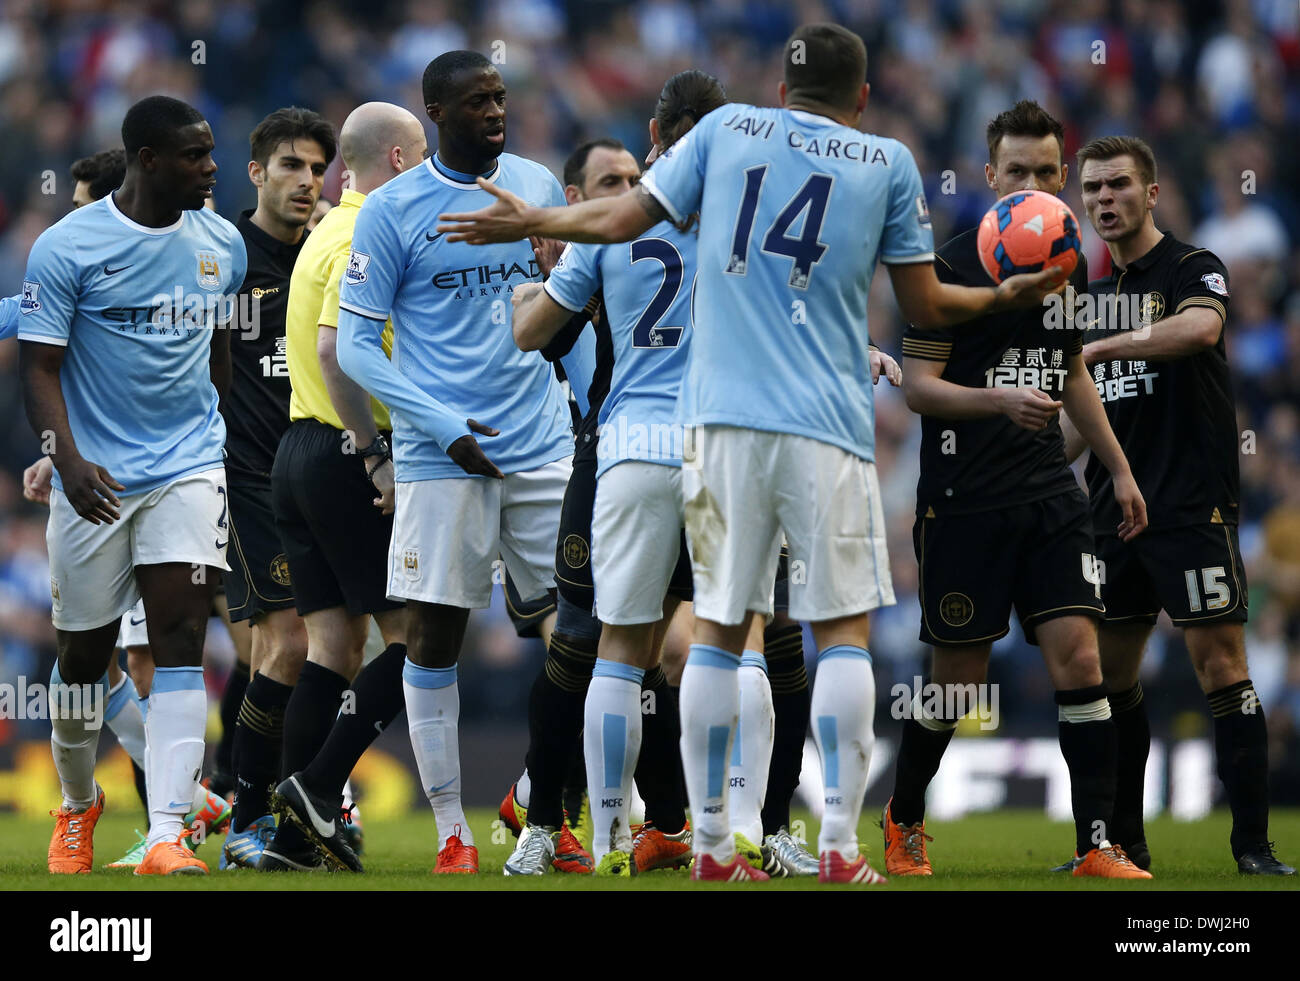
(314, 300)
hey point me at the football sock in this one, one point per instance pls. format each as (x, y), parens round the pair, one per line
(710, 704)
(141, 787)
(555, 712)
(751, 751)
(258, 737)
(223, 766)
(925, 738)
(177, 717)
(659, 768)
(523, 788)
(611, 742)
(309, 715)
(1089, 745)
(1241, 752)
(1133, 735)
(433, 716)
(575, 784)
(377, 699)
(122, 716)
(843, 707)
(74, 737)
(790, 698)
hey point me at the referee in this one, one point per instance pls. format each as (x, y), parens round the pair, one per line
(1168, 395)
(332, 460)
(290, 150)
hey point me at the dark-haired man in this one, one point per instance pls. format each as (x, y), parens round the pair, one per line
(123, 306)
(1001, 521)
(776, 390)
(290, 151)
(1163, 377)
(456, 509)
(97, 175)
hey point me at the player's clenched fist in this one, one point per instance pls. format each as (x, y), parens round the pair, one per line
(1028, 408)
(36, 481)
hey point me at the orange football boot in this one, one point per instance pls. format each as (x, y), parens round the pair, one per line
(1109, 863)
(172, 858)
(457, 858)
(570, 856)
(905, 846)
(653, 849)
(72, 846)
(512, 815)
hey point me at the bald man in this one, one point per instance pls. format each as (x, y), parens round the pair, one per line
(332, 488)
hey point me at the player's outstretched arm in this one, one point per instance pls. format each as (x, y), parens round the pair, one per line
(511, 219)
(537, 318)
(1194, 330)
(1084, 408)
(931, 395)
(930, 304)
(89, 487)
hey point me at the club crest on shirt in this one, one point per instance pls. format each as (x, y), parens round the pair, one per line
(29, 303)
(1153, 308)
(209, 271)
(1214, 282)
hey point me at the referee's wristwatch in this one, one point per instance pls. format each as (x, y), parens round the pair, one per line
(379, 448)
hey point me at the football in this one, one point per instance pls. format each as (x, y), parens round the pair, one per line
(1028, 231)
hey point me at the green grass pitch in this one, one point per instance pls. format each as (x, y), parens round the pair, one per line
(1008, 850)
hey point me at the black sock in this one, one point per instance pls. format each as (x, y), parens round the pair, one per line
(1090, 749)
(575, 784)
(658, 770)
(258, 737)
(791, 701)
(378, 701)
(1133, 733)
(918, 761)
(223, 775)
(555, 710)
(141, 791)
(1241, 751)
(310, 714)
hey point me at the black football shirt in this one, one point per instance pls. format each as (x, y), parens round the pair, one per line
(1176, 419)
(256, 409)
(972, 465)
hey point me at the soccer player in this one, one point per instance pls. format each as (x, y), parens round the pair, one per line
(332, 462)
(636, 526)
(290, 150)
(455, 361)
(776, 391)
(119, 307)
(1165, 385)
(598, 168)
(1001, 521)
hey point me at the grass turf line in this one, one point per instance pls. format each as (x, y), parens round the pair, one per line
(1006, 850)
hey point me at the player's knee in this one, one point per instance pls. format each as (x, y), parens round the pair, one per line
(434, 634)
(1218, 655)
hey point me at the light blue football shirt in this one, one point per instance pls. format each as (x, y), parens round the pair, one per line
(647, 287)
(135, 307)
(454, 354)
(795, 210)
(9, 316)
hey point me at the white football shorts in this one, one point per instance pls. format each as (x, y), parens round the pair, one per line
(92, 567)
(744, 487)
(448, 532)
(636, 533)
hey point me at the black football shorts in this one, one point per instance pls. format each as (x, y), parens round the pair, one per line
(1194, 573)
(1037, 557)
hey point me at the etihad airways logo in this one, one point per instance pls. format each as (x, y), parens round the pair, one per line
(489, 279)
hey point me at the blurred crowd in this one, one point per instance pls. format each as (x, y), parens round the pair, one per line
(1213, 86)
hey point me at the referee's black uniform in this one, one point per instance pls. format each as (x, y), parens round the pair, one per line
(256, 411)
